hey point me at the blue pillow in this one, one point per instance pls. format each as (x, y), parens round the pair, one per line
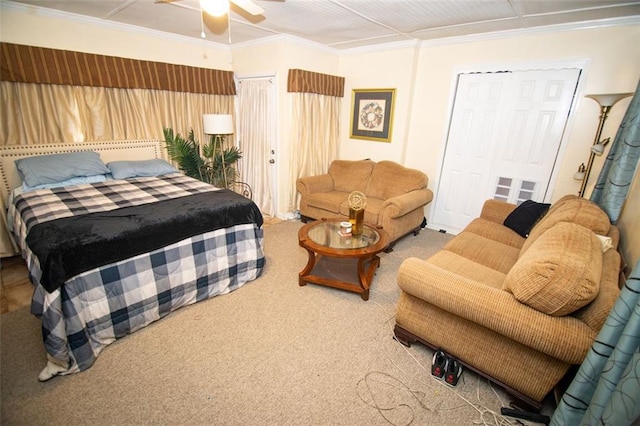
(79, 180)
(143, 168)
(53, 168)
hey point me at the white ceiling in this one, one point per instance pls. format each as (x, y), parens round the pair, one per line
(344, 24)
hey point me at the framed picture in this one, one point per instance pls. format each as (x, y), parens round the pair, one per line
(372, 114)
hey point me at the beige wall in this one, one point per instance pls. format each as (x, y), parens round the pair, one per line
(423, 76)
(381, 70)
(610, 58)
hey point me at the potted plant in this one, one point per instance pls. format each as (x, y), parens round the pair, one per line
(210, 163)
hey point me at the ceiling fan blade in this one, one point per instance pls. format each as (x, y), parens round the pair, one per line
(249, 6)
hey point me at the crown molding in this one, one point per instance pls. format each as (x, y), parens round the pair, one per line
(573, 26)
(583, 25)
(395, 45)
(289, 39)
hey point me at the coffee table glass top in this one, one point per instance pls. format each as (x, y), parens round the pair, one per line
(328, 234)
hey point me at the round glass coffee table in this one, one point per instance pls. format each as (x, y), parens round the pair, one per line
(347, 262)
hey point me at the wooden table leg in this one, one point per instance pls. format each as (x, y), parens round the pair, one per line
(311, 262)
(365, 274)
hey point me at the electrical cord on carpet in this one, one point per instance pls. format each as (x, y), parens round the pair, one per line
(400, 385)
(487, 416)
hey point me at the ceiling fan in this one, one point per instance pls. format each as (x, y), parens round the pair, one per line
(219, 8)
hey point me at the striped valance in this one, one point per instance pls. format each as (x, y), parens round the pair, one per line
(313, 82)
(29, 64)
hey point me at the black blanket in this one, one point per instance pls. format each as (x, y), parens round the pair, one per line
(69, 246)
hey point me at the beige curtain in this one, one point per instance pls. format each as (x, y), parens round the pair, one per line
(255, 129)
(315, 125)
(314, 137)
(45, 113)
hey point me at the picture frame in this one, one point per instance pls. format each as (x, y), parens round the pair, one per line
(372, 114)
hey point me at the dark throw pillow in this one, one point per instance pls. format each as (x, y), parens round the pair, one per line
(525, 216)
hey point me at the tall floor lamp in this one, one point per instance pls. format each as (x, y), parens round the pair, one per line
(219, 125)
(606, 102)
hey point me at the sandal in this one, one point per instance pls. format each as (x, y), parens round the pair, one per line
(439, 364)
(453, 371)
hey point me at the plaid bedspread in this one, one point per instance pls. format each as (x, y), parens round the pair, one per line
(47, 204)
(31, 208)
(93, 309)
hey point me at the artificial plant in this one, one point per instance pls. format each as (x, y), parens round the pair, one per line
(210, 163)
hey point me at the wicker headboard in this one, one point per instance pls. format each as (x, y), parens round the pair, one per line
(108, 150)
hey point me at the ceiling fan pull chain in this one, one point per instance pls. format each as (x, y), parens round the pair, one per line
(202, 34)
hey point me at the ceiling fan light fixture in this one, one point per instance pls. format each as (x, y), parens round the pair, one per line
(215, 8)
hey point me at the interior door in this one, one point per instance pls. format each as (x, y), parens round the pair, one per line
(504, 136)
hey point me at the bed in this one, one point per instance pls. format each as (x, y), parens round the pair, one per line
(112, 255)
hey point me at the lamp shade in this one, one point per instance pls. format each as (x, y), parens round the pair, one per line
(217, 124)
(609, 99)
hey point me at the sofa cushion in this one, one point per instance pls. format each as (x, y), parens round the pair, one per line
(389, 179)
(485, 251)
(464, 267)
(561, 271)
(351, 175)
(525, 216)
(329, 201)
(494, 231)
(574, 210)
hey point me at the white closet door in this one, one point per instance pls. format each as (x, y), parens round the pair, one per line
(504, 135)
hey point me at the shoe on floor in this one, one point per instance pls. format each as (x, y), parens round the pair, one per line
(453, 371)
(439, 364)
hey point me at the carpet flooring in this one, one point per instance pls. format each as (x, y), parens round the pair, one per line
(270, 353)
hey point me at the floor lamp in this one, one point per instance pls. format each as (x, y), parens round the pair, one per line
(606, 102)
(218, 125)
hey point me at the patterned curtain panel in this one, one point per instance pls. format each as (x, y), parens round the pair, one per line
(30, 64)
(621, 163)
(606, 389)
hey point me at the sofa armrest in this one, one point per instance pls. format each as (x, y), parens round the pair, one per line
(402, 204)
(310, 184)
(496, 211)
(565, 338)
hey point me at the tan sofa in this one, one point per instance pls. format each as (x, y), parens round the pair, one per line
(396, 195)
(519, 311)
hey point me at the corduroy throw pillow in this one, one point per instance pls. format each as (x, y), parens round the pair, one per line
(561, 271)
(574, 210)
(351, 175)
